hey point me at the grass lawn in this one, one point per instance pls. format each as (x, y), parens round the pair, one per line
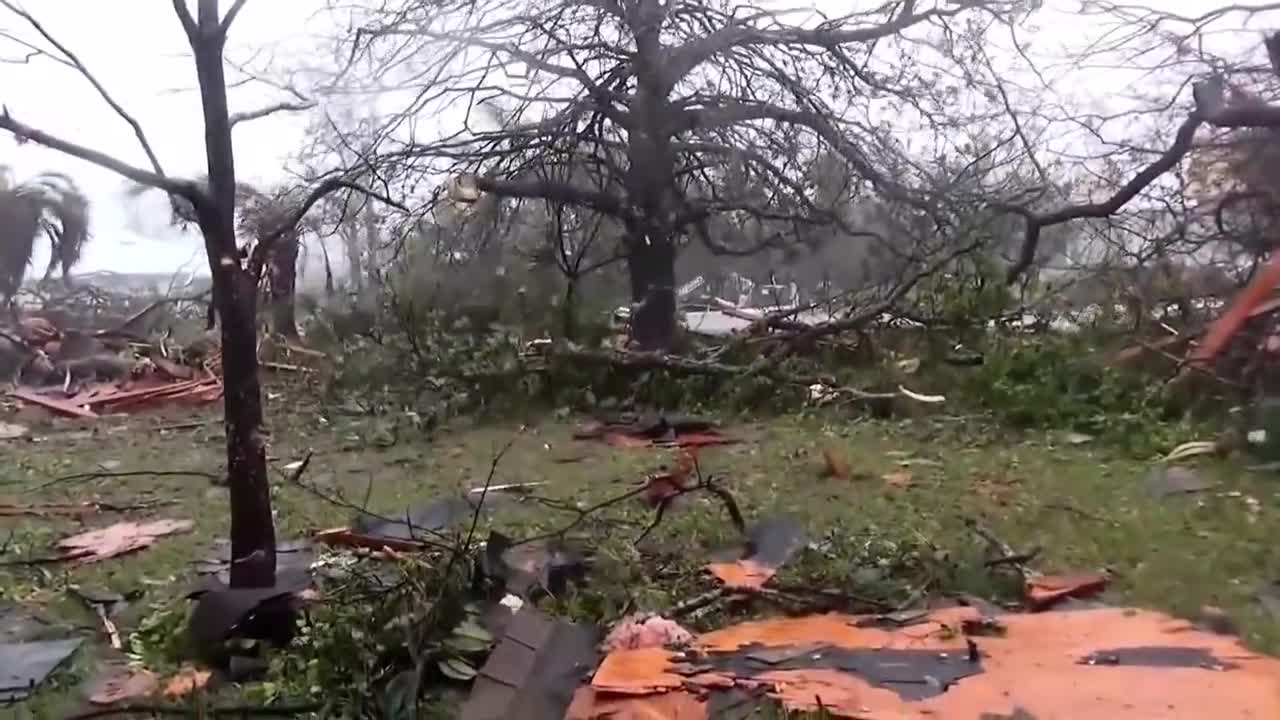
(1086, 506)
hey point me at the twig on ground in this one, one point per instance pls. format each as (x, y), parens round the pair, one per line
(1008, 556)
(188, 711)
(1078, 511)
(101, 474)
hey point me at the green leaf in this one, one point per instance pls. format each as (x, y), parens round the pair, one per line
(471, 629)
(467, 645)
(457, 669)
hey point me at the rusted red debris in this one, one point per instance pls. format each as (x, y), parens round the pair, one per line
(151, 380)
(1043, 591)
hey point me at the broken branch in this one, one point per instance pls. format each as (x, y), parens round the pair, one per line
(23, 132)
(270, 110)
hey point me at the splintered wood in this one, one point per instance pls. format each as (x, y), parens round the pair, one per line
(118, 539)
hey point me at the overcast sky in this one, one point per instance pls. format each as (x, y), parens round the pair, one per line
(141, 56)
(137, 50)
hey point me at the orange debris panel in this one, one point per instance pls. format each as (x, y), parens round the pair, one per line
(745, 574)
(1101, 664)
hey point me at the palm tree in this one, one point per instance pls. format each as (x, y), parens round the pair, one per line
(50, 203)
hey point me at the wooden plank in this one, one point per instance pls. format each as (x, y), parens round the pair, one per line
(62, 407)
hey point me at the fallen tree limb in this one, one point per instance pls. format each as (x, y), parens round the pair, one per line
(675, 363)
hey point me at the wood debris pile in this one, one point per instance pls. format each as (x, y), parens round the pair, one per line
(87, 374)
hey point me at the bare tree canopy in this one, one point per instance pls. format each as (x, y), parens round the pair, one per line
(689, 121)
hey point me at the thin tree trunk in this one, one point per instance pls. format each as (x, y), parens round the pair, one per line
(371, 241)
(328, 269)
(284, 281)
(253, 549)
(355, 268)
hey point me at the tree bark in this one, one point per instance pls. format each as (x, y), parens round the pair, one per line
(253, 546)
(652, 267)
(284, 282)
(355, 268)
(650, 178)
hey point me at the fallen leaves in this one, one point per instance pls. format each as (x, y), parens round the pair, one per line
(999, 490)
(12, 431)
(899, 480)
(118, 539)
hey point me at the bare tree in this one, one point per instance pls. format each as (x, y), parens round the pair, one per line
(235, 272)
(685, 113)
(1142, 191)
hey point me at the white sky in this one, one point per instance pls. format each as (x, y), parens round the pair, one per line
(141, 56)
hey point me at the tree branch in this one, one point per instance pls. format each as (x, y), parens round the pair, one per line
(270, 110)
(184, 16)
(683, 59)
(263, 247)
(230, 17)
(1036, 222)
(22, 133)
(74, 61)
(556, 192)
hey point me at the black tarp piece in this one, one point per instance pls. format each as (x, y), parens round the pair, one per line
(23, 666)
(533, 672)
(912, 674)
(1158, 657)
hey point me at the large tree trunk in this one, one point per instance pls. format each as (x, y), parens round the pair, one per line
(652, 266)
(651, 251)
(284, 281)
(253, 543)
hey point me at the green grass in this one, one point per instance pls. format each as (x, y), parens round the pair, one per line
(1085, 505)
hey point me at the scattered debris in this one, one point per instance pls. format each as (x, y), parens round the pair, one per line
(835, 464)
(24, 666)
(1216, 620)
(899, 480)
(409, 532)
(770, 544)
(1077, 438)
(86, 374)
(118, 539)
(124, 683)
(529, 568)
(534, 670)
(842, 667)
(1043, 591)
(647, 431)
(79, 509)
(644, 631)
(1269, 597)
(13, 431)
(187, 682)
(1176, 480)
(1192, 449)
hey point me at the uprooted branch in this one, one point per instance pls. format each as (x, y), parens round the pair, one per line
(760, 369)
(23, 133)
